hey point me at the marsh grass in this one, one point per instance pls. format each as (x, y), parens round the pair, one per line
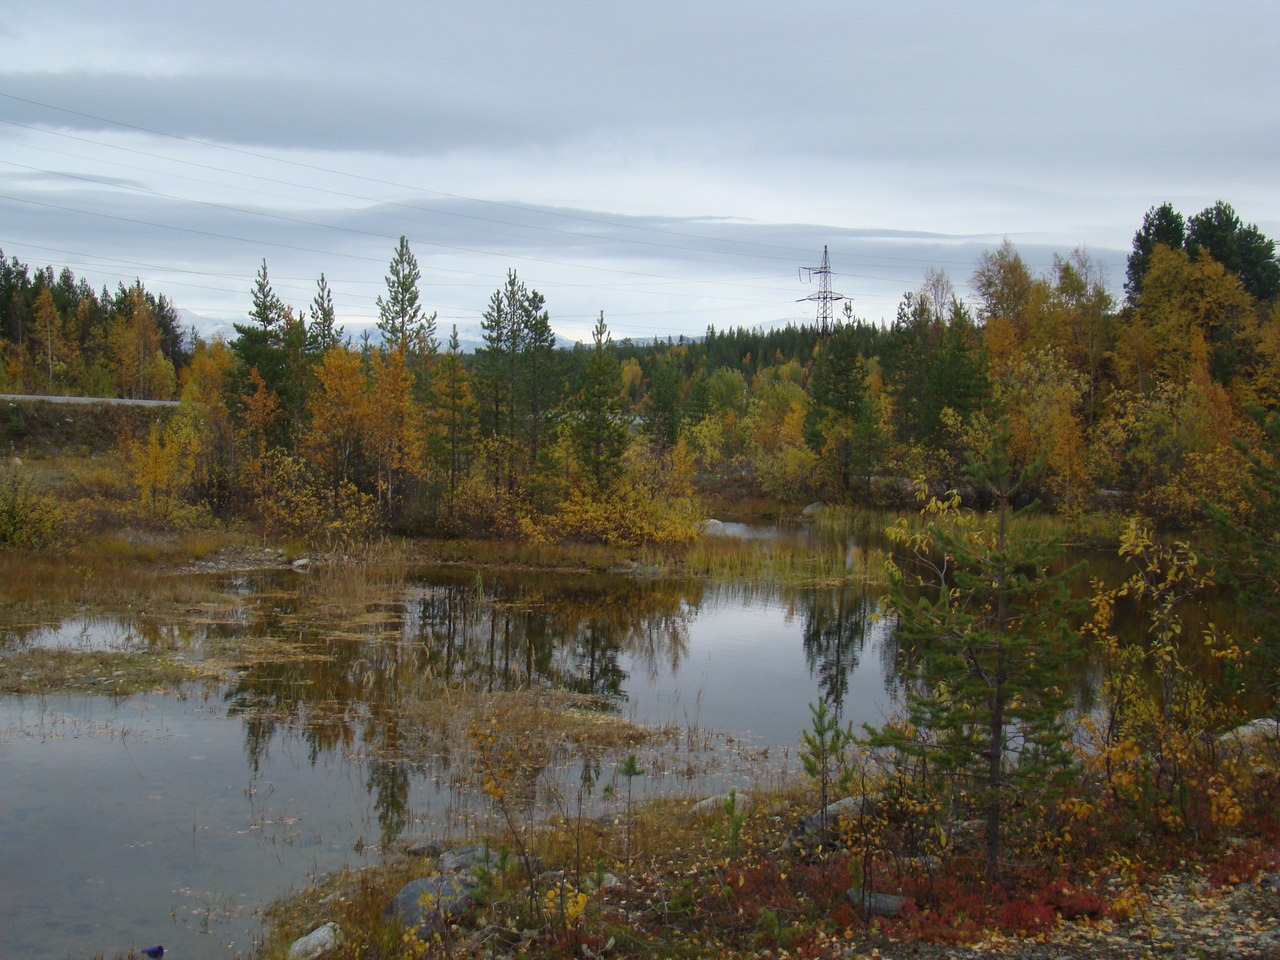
(113, 674)
(111, 572)
(784, 562)
(529, 555)
(584, 722)
(867, 526)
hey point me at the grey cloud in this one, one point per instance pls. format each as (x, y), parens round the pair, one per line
(635, 266)
(254, 112)
(65, 177)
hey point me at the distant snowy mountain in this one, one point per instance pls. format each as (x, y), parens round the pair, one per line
(207, 328)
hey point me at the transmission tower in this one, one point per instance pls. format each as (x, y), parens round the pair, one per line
(824, 297)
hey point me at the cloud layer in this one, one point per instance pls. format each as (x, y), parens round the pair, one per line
(671, 163)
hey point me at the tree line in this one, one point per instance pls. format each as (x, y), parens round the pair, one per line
(1139, 402)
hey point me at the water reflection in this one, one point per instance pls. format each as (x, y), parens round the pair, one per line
(836, 623)
(314, 751)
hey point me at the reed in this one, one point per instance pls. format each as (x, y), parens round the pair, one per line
(867, 526)
(531, 555)
(783, 562)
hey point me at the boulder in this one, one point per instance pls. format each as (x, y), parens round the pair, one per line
(1249, 736)
(317, 943)
(812, 509)
(422, 846)
(809, 829)
(716, 804)
(606, 881)
(432, 902)
(469, 859)
(875, 904)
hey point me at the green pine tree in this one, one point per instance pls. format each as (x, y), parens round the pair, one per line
(599, 432)
(985, 626)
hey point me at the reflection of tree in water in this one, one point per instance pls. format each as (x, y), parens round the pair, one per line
(340, 676)
(835, 631)
(388, 781)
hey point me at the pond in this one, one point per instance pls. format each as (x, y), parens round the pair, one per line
(173, 818)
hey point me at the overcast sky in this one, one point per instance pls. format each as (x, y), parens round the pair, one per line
(673, 164)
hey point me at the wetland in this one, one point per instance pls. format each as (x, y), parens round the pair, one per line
(179, 752)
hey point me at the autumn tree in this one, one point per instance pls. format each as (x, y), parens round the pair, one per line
(1162, 226)
(1010, 297)
(1040, 402)
(1079, 323)
(208, 383)
(1242, 249)
(783, 462)
(337, 443)
(1192, 314)
(57, 354)
(396, 434)
(141, 369)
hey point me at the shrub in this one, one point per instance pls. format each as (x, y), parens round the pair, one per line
(29, 519)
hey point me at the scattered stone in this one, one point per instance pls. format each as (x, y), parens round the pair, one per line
(301, 563)
(316, 943)
(875, 904)
(431, 903)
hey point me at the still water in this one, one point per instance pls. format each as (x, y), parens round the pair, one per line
(172, 818)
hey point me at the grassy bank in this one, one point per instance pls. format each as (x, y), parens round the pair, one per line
(729, 880)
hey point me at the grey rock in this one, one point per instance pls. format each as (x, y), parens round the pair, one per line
(1270, 882)
(716, 804)
(607, 881)
(316, 943)
(422, 846)
(875, 904)
(810, 829)
(1252, 734)
(469, 859)
(812, 509)
(432, 902)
